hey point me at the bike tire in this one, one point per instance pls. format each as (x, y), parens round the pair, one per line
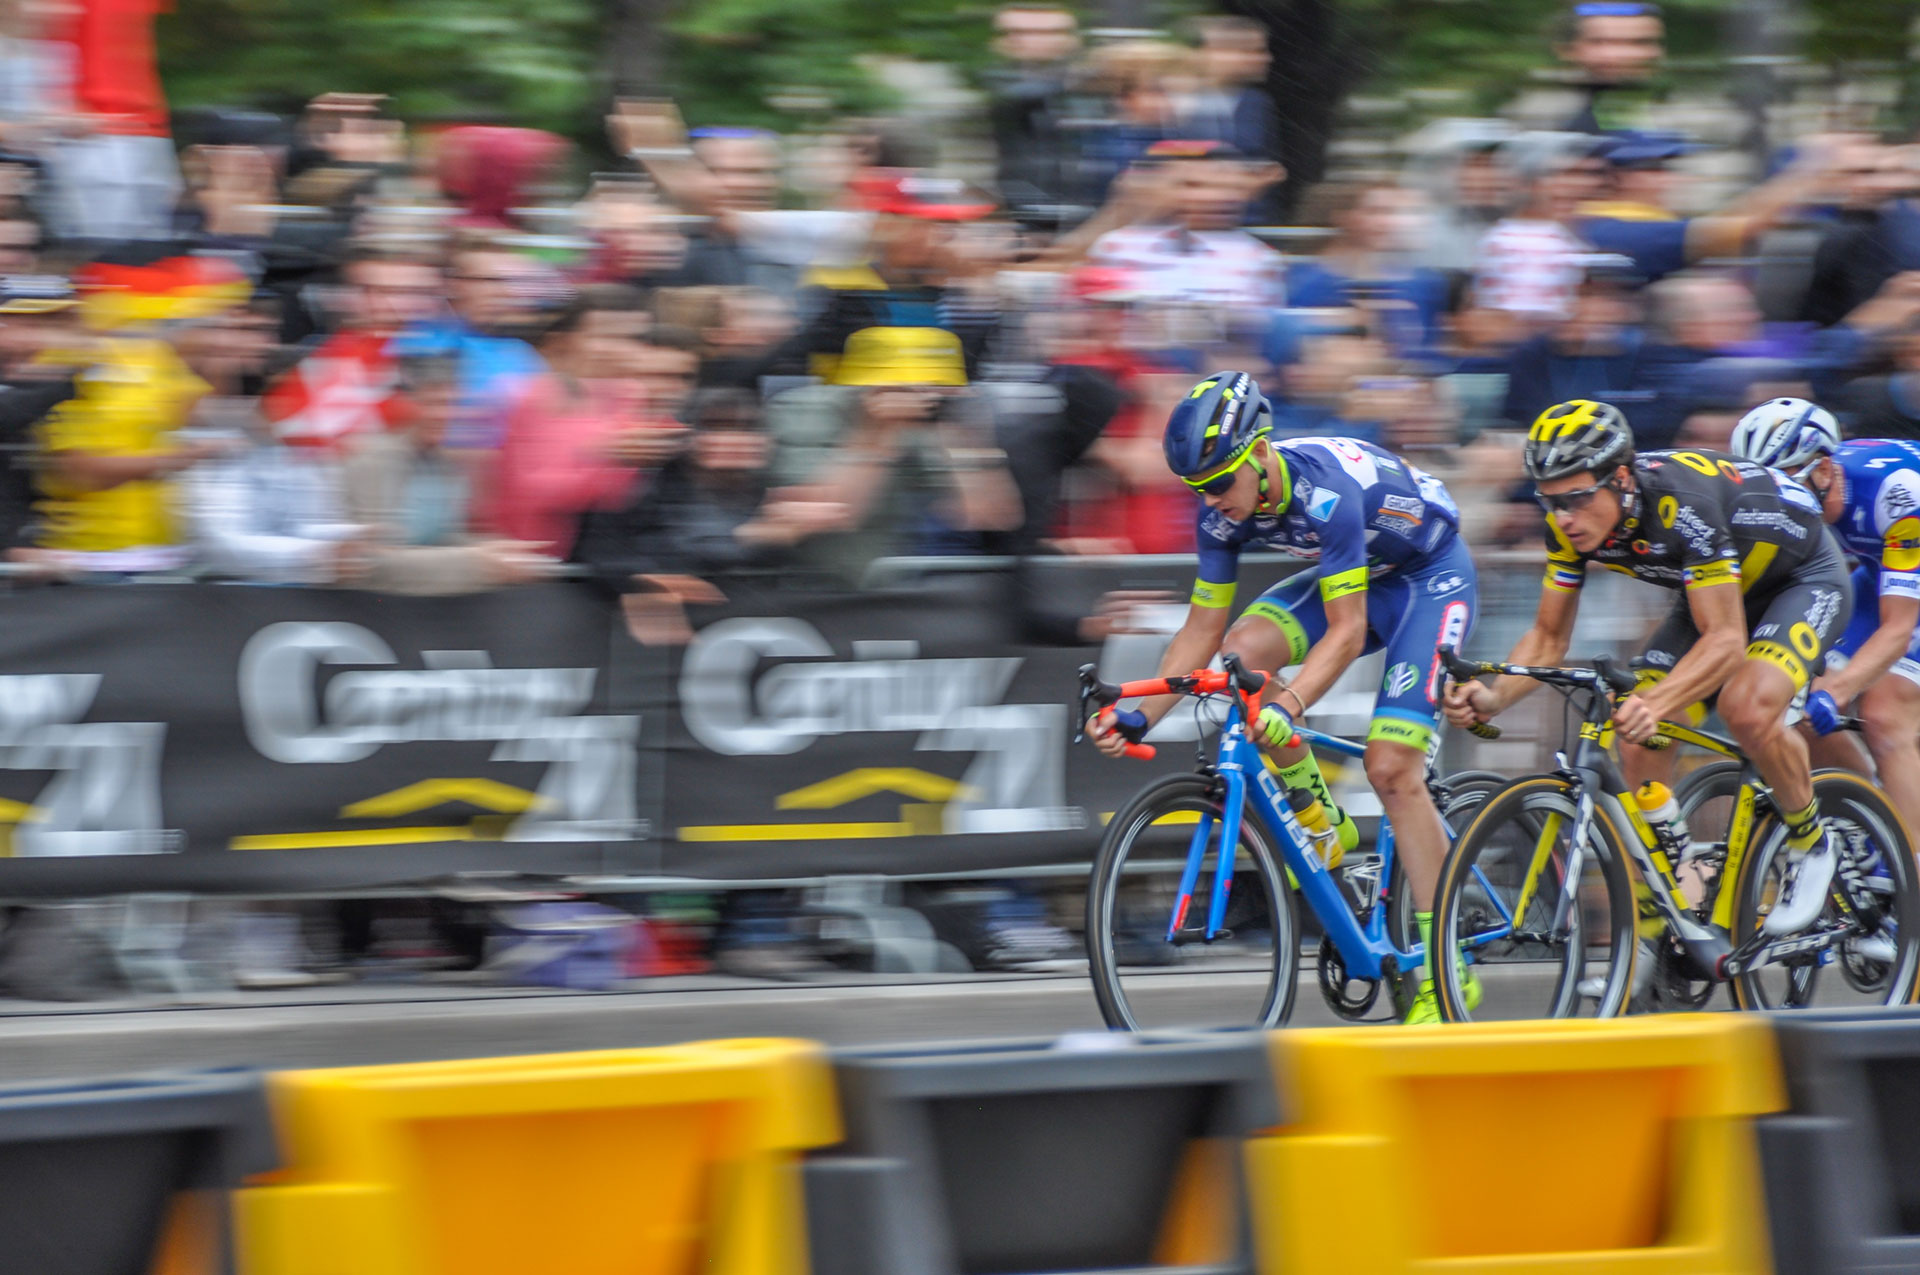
(1842, 795)
(1176, 795)
(1523, 805)
(1468, 790)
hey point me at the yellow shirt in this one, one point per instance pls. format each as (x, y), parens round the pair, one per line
(128, 404)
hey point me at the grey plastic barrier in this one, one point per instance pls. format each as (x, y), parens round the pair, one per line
(90, 1174)
(1842, 1164)
(1085, 1154)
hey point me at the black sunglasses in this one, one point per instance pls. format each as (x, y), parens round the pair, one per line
(1571, 501)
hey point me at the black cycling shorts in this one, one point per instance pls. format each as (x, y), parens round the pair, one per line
(1791, 626)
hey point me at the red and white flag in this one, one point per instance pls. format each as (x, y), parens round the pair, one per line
(341, 389)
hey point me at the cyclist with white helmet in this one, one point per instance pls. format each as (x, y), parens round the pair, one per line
(1393, 574)
(1869, 491)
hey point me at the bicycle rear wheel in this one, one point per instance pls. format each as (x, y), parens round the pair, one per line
(1500, 892)
(1245, 979)
(1856, 971)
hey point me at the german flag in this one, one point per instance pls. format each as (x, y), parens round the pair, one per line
(115, 297)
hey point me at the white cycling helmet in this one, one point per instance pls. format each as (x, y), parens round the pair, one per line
(1786, 433)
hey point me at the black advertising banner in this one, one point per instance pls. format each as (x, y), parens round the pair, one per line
(904, 732)
(210, 737)
(223, 737)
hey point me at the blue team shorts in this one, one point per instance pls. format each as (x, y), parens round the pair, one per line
(1411, 613)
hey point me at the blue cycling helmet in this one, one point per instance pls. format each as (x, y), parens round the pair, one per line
(1216, 424)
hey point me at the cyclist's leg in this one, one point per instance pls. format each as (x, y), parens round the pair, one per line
(1277, 629)
(1890, 719)
(1797, 628)
(1273, 633)
(1420, 611)
(1844, 748)
(1673, 638)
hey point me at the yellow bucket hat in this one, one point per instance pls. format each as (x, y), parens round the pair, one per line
(902, 356)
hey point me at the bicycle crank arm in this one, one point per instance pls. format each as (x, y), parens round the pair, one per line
(1197, 934)
(1705, 946)
(1757, 952)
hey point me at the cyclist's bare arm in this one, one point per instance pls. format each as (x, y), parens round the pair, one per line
(1345, 638)
(1898, 619)
(1545, 643)
(1197, 642)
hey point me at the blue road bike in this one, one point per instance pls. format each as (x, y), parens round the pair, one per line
(1194, 877)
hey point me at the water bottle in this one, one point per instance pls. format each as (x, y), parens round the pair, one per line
(1313, 817)
(1662, 814)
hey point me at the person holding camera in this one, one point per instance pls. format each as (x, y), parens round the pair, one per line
(898, 442)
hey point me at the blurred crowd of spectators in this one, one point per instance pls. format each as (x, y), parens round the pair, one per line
(334, 350)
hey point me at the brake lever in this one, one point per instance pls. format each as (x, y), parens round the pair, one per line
(1619, 680)
(1089, 681)
(1458, 669)
(1247, 681)
(1465, 671)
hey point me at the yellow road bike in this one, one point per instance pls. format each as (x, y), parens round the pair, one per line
(1568, 901)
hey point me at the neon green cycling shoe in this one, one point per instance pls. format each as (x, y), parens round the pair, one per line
(1426, 1006)
(1470, 987)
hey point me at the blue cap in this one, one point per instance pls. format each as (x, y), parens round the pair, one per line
(1628, 149)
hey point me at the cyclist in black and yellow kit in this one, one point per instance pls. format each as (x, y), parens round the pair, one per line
(1764, 596)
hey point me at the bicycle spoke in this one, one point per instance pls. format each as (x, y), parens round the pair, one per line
(1507, 890)
(1155, 966)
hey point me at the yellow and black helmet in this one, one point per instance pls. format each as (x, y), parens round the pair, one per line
(1576, 437)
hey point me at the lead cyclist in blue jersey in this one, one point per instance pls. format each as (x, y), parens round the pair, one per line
(1869, 490)
(1393, 575)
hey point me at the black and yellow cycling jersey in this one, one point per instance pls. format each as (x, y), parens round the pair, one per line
(1698, 518)
(1701, 518)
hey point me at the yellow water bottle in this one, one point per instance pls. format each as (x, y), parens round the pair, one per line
(1313, 817)
(1662, 814)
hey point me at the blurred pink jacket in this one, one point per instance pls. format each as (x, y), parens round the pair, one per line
(553, 465)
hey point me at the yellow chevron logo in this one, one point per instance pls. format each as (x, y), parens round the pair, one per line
(865, 781)
(487, 794)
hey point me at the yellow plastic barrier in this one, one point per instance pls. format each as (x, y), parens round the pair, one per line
(1623, 1146)
(624, 1162)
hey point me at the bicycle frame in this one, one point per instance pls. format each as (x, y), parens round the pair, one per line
(1365, 947)
(1740, 827)
(1598, 780)
(1595, 777)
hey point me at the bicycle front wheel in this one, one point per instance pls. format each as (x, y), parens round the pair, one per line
(1859, 969)
(1538, 920)
(1142, 980)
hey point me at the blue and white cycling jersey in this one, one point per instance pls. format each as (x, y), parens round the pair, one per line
(1360, 511)
(1880, 527)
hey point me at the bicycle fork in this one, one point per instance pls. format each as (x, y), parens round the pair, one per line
(1233, 810)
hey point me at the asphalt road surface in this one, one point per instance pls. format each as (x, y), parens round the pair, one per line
(342, 1026)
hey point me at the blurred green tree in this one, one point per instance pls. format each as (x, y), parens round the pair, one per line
(555, 63)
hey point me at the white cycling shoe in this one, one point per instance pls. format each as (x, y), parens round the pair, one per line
(1804, 891)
